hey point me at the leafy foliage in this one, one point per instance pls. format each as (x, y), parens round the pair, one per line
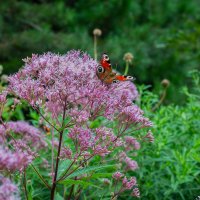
(171, 169)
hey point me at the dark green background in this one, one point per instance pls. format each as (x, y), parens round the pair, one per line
(162, 35)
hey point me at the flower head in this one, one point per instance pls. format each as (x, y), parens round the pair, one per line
(97, 32)
(117, 175)
(8, 191)
(128, 57)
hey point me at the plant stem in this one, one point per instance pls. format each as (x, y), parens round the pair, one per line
(56, 169)
(58, 154)
(52, 153)
(24, 183)
(127, 68)
(160, 101)
(95, 47)
(63, 177)
(71, 191)
(40, 176)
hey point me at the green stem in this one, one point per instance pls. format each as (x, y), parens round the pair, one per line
(25, 187)
(127, 68)
(95, 47)
(161, 100)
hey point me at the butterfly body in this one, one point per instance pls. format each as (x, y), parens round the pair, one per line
(106, 74)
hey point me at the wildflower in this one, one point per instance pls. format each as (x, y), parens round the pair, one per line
(66, 153)
(131, 164)
(67, 90)
(150, 137)
(13, 160)
(8, 191)
(29, 133)
(136, 192)
(106, 181)
(128, 184)
(117, 175)
(131, 142)
(3, 97)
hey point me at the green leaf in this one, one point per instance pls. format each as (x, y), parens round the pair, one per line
(90, 169)
(101, 175)
(58, 197)
(84, 184)
(63, 166)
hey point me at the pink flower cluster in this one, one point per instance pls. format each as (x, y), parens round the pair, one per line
(52, 81)
(25, 139)
(67, 88)
(8, 191)
(30, 134)
(12, 161)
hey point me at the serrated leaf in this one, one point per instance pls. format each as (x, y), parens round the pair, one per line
(63, 166)
(84, 184)
(89, 169)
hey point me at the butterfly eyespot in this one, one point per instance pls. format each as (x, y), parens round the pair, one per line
(115, 81)
(105, 56)
(100, 69)
(129, 77)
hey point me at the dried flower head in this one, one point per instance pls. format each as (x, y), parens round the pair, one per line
(165, 83)
(4, 78)
(128, 57)
(97, 32)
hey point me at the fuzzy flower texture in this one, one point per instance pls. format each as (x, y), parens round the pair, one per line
(53, 80)
(66, 86)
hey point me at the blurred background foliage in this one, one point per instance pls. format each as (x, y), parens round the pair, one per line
(162, 35)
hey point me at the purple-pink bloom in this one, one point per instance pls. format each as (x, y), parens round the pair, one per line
(3, 97)
(136, 192)
(29, 133)
(12, 161)
(128, 185)
(150, 136)
(131, 164)
(117, 175)
(66, 153)
(8, 191)
(51, 80)
(66, 88)
(132, 143)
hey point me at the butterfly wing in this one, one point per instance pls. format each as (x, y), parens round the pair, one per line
(123, 78)
(105, 73)
(104, 70)
(105, 63)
